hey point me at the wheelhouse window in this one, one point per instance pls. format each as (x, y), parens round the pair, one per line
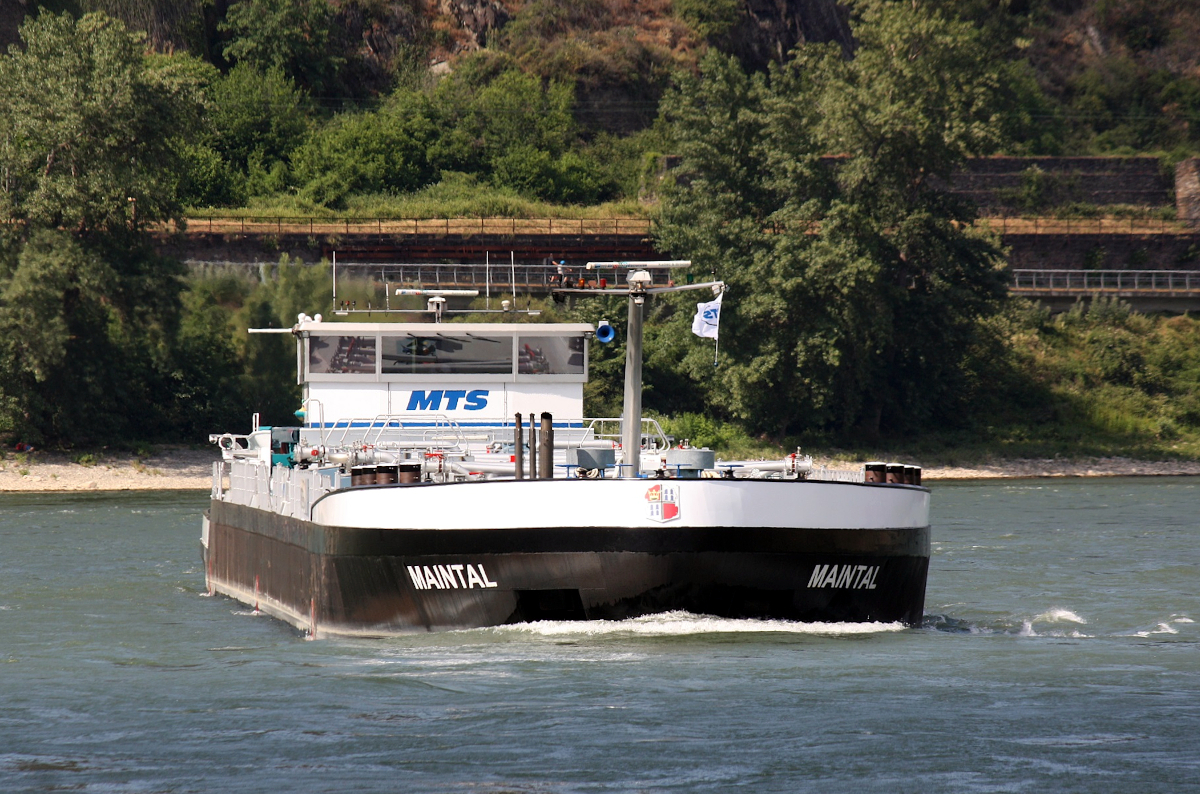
(467, 354)
(550, 355)
(341, 354)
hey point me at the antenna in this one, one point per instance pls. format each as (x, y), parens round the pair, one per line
(640, 281)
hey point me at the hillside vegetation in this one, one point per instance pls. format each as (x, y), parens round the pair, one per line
(315, 104)
(865, 308)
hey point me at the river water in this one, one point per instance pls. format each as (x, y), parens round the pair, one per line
(1059, 654)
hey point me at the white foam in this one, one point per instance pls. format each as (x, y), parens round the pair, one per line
(1182, 620)
(1162, 628)
(678, 624)
(1058, 615)
(1053, 615)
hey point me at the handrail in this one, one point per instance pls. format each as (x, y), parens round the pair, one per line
(280, 224)
(1106, 280)
(1147, 224)
(313, 225)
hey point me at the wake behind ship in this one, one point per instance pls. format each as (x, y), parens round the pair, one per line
(442, 478)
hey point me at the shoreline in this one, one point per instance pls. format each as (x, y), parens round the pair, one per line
(191, 470)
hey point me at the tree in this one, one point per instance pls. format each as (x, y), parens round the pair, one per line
(294, 36)
(857, 281)
(84, 344)
(90, 129)
(256, 116)
(269, 359)
(91, 135)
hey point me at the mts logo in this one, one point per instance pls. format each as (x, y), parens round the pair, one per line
(448, 399)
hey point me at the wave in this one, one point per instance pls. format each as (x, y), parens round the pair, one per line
(1045, 624)
(1021, 627)
(1059, 615)
(682, 624)
(1161, 628)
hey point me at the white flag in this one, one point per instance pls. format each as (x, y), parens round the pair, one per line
(707, 321)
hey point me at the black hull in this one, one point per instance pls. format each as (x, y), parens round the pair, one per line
(361, 581)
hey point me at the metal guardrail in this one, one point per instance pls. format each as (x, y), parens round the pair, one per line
(414, 226)
(1146, 225)
(289, 492)
(270, 224)
(1089, 281)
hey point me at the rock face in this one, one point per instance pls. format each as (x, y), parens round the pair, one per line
(478, 18)
(12, 14)
(768, 29)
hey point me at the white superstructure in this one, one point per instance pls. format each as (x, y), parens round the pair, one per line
(474, 375)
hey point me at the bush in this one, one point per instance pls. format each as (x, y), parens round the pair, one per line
(526, 170)
(209, 181)
(364, 153)
(707, 17)
(256, 114)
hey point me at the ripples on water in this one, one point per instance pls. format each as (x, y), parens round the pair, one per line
(1058, 652)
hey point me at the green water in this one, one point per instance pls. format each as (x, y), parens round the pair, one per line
(1059, 654)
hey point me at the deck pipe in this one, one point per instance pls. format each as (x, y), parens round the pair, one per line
(546, 449)
(533, 473)
(518, 448)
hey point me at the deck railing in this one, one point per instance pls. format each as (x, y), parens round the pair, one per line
(289, 492)
(1087, 281)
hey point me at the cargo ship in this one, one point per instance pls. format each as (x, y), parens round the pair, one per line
(442, 476)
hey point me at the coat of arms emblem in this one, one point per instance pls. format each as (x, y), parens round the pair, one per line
(663, 502)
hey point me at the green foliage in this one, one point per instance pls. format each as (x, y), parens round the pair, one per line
(492, 114)
(1139, 24)
(527, 170)
(1122, 106)
(454, 195)
(618, 53)
(571, 179)
(709, 18)
(268, 382)
(90, 129)
(366, 153)
(1107, 379)
(86, 332)
(861, 310)
(256, 115)
(208, 180)
(703, 431)
(293, 36)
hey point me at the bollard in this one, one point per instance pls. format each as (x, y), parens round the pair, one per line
(546, 449)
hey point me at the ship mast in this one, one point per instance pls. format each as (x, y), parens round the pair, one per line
(640, 281)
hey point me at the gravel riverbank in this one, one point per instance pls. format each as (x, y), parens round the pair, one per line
(189, 469)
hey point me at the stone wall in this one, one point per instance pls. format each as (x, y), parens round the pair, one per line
(1103, 251)
(1029, 185)
(1032, 183)
(1187, 191)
